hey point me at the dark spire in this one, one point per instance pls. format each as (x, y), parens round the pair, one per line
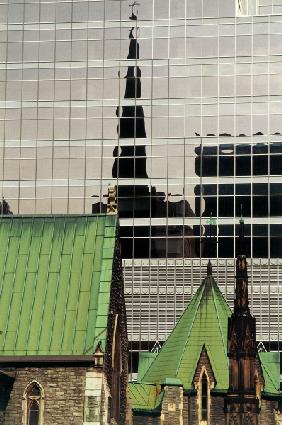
(209, 268)
(242, 351)
(242, 242)
(241, 303)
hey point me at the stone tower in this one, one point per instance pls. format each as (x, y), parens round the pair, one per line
(241, 403)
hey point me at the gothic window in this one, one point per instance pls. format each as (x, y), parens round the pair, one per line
(204, 398)
(33, 404)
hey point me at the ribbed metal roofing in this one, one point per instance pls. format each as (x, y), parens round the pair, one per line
(145, 397)
(55, 278)
(270, 363)
(204, 322)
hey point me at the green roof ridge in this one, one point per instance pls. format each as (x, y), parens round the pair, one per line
(191, 327)
(200, 289)
(228, 310)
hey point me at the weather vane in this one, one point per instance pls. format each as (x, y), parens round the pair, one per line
(133, 17)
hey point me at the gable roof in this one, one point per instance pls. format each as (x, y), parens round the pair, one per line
(203, 323)
(55, 279)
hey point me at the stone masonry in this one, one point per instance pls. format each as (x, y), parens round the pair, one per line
(146, 420)
(172, 406)
(268, 414)
(64, 389)
(183, 410)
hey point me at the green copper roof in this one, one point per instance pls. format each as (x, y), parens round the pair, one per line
(270, 363)
(204, 322)
(55, 278)
(145, 397)
(145, 361)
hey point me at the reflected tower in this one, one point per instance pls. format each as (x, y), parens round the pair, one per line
(130, 159)
(139, 202)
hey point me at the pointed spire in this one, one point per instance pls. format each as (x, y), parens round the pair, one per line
(209, 268)
(242, 242)
(241, 302)
(242, 350)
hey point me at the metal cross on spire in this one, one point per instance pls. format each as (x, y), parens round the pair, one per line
(133, 17)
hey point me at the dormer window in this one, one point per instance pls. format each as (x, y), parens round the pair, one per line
(33, 404)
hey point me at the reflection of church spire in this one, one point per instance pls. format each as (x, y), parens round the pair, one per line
(136, 198)
(133, 17)
(131, 160)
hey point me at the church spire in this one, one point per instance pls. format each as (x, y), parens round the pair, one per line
(241, 404)
(209, 268)
(241, 303)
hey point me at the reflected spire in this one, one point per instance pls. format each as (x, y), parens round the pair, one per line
(131, 159)
(133, 17)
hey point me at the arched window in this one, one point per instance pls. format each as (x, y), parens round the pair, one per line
(33, 404)
(204, 387)
(204, 397)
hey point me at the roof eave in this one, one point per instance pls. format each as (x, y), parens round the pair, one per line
(44, 359)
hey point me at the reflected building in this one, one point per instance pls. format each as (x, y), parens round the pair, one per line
(196, 93)
(257, 195)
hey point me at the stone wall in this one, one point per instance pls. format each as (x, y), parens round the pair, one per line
(190, 410)
(178, 410)
(172, 406)
(64, 389)
(268, 413)
(146, 420)
(217, 415)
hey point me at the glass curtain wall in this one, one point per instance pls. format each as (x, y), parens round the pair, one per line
(198, 82)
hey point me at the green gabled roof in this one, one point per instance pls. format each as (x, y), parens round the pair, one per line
(204, 322)
(270, 363)
(55, 279)
(145, 397)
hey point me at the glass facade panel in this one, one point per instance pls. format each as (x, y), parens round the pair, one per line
(177, 103)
